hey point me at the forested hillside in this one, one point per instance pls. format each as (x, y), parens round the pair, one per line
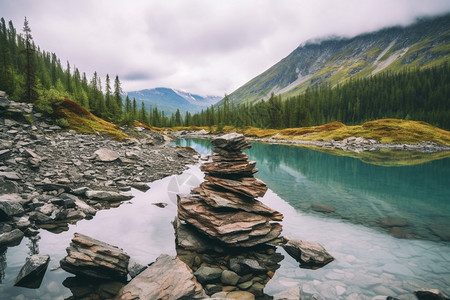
(414, 94)
(28, 73)
(424, 44)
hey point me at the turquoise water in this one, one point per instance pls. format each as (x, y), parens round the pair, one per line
(358, 192)
(369, 262)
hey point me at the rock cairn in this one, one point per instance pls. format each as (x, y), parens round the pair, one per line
(224, 206)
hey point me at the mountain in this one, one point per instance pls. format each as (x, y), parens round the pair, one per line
(169, 100)
(425, 43)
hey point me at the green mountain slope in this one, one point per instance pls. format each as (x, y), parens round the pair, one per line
(423, 44)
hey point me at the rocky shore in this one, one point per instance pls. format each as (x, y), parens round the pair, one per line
(50, 177)
(350, 144)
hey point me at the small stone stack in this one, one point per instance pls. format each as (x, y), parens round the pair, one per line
(224, 206)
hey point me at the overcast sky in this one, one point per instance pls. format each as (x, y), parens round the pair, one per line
(209, 47)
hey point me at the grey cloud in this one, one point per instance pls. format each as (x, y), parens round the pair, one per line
(202, 46)
(137, 76)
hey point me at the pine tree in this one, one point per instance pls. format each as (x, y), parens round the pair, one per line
(117, 98)
(134, 111)
(127, 105)
(110, 105)
(30, 93)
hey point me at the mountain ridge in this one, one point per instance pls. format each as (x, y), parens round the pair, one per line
(335, 60)
(169, 100)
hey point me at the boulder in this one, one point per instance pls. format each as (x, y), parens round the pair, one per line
(8, 187)
(308, 254)
(229, 277)
(107, 196)
(141, 186)
(90, 257)
(106, 155)
(32, 273)
(167, 278)
(208, 274)
(11, 238)
(10, 205)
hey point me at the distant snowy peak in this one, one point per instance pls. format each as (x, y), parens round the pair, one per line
(197, 99)
(169, 100)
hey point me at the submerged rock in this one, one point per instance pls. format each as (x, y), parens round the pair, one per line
(430, 295)
(393, 222)
(93, 258)
(32, 273)
(308, 254)
(167, 278)
(441, 230)
(323, 208)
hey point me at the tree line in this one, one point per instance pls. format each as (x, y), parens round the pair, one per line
(28, 73)
(414, 93)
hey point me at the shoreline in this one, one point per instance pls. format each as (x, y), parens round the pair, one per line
(351, 144)
(50, 177)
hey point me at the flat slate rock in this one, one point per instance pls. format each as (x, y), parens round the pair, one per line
(221, 199)
(10, 205)
(106, 155)
(308, 254)
(231, 142)
(107, 196)
(167, 278)
(234, 228)
(93, 258)
(247, 186)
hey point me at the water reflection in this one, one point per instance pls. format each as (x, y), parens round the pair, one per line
(355, 191)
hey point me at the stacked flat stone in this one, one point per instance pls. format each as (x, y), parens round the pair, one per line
(224, 206)
(93, 258)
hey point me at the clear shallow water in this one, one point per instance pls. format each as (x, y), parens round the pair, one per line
(369, 262)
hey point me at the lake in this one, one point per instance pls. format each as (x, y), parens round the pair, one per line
(368, 202)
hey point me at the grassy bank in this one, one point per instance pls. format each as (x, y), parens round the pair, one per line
(394, 131)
